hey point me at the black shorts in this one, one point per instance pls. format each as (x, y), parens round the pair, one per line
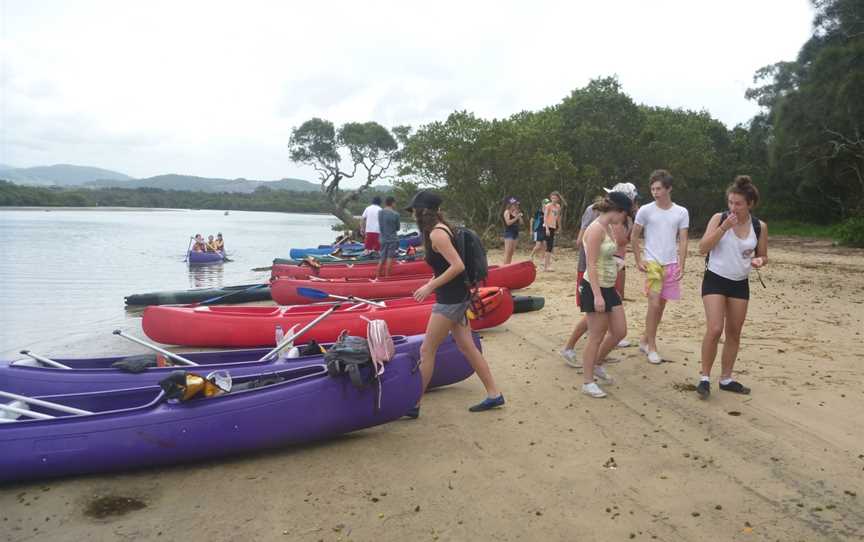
(714, 284)
(586, 297)
(550, 240)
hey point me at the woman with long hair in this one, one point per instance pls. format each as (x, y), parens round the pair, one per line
(607, 324)
(452, 299)
(551, 224)
(735, 242)
(512, 217)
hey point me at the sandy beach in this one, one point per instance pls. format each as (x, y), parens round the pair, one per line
(650, 462)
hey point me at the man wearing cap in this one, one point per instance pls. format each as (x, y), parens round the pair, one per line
(622, 238)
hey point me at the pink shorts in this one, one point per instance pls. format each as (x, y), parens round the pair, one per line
(670, 289)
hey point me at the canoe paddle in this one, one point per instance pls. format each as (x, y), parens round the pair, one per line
(155, 348)
(223, 296)
(187, 249)
(312, 293)
(290, 339)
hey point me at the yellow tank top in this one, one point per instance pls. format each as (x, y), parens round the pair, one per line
(607, 269)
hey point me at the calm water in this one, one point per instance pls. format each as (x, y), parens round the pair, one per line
(64, 273)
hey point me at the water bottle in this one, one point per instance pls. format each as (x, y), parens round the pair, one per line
(279, 334)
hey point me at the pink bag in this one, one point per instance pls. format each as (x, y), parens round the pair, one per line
(380, 342)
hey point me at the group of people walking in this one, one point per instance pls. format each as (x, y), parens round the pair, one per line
(734, 243)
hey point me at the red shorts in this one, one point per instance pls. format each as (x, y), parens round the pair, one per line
(619, 284)
(372, 241)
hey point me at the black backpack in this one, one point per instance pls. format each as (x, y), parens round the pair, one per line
(473, 255)
(350, 355)
(757, 229)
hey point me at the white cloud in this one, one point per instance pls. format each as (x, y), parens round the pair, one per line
(213, 88)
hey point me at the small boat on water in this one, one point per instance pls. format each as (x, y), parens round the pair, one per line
(215, 326)
(242, 293)
(205, 257)
(28, 376)
(65, 434)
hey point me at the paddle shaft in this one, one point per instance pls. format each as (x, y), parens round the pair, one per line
(191, 239)
(155, 348)
(290, 339)
(43, 359)
(224, 296)
(46, 404)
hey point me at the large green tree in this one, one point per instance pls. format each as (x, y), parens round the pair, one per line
(355, 148)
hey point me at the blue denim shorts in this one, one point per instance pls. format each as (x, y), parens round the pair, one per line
(453, 311)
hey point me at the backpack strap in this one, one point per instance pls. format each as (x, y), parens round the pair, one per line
(757, 229)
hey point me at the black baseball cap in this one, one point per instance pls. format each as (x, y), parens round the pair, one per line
(621, 201)
(424, 200)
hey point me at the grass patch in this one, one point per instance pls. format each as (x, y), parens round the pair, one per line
(800, 229)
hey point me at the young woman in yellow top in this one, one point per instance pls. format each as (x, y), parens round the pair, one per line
(599, 300)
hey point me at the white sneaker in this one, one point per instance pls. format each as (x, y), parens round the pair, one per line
(654, 357)
(623, 343)
(571, 358)
(643, 348)
(593, 390)
(600, 372)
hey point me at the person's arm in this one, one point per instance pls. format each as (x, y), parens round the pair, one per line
(715, 230)
(593, 240)
(443, 245)
(510, 219)
(580, 238)
(761, 259)
(635, 237)
(547, 213)
(363, 224)
(682, 252)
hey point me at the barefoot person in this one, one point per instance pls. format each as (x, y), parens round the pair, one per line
(538, 230)
(735, 242)
(388, 222)
(621, 232)
(551, 224)
(452, 299)
(599, 301)
(665, 226)
(512, 218)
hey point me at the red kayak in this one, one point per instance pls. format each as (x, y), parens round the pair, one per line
(285, 289)
(256, 326)
(350, 270)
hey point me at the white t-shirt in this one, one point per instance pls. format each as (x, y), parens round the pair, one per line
(371, 216)
(660, 228)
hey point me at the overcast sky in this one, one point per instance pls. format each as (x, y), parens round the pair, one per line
(213, 88)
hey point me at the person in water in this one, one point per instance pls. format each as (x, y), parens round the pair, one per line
(621, 233)
(199, 245)
(452, 299)
(551, 224)
(734, 247)
(599, 300)
(512, 219)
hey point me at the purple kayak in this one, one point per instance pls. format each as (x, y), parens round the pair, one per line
(29, 377)
(205, 257)
(139, 427)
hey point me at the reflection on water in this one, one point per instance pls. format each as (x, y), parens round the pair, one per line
(64, 273)
(206, 276)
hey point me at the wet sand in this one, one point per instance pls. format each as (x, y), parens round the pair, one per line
(650, 462)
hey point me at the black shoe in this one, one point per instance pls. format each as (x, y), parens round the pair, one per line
(413, 413)
(735, 387)
(703, 389)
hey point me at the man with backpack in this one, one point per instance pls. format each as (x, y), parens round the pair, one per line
(458, 261)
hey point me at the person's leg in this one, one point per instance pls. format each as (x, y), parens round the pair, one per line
(436, 331)
(509, 245)
(578, 330)
(462, 336)
(388, 268)
(617, 331)
(598, 323)
(715, 315)
(653, 315)
(736, 313)
(379, 271)
(550, 246)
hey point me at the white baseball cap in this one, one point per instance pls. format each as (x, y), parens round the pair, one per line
(629, 189)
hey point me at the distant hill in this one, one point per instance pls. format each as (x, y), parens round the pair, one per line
(92, 177)
(204, 184)
(58, 174)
